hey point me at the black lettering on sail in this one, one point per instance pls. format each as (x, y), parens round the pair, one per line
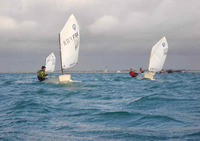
(67, 40)
(165, 51)
(76, 41)
(64, 43)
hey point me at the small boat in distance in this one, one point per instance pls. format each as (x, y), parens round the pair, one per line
(69, 43)
(50, 63)
(157, 58)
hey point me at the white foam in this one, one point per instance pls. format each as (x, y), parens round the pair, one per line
(75, 81)
(23, 81)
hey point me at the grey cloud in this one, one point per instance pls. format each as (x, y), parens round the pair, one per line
(117, 34)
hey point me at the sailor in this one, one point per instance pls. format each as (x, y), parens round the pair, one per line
(141, 70)
(41, 75)
(132, 73)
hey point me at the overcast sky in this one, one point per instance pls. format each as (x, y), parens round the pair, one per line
(118, 34)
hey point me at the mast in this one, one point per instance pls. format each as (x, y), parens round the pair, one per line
(60, 54)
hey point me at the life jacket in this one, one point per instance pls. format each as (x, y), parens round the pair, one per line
(131, 73)
(41, 73)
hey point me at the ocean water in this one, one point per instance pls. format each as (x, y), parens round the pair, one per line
(110, 106)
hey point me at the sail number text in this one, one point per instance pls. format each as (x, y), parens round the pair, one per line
(73, 38)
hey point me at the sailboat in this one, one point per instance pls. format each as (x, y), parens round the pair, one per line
(69, 43)
(50, 63)
(157, 58)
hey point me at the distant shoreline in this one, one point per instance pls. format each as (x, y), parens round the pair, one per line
(109, 71)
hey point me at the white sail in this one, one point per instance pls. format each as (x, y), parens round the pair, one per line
(158, 56)
(69, 43)
(50, 63)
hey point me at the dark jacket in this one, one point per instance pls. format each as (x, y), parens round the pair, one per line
(41, 75)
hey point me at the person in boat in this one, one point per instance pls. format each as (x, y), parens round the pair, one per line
(41, 75)
(132, 73)
(141, 70)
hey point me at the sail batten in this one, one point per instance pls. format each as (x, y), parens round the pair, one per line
(50, 63)
(69, 43)
(158, 55)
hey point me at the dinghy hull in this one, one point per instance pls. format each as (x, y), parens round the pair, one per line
(149, 75)
(62, 79)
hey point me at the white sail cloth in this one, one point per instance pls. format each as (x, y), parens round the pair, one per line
(70, 43)
(50, 63)
(158, 56)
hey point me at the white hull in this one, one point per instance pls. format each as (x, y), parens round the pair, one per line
(62, 79)
(149, 75)
(146, 75)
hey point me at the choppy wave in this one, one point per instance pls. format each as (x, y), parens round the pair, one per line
(100, 107)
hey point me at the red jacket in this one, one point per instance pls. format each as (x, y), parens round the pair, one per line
(131, 73)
